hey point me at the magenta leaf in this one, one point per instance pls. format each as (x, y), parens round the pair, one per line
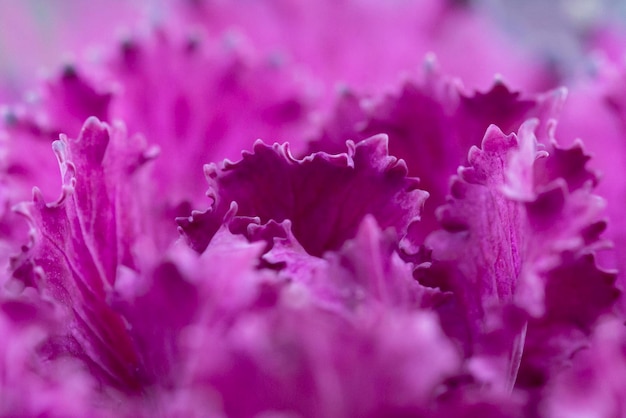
(512, 234)
(76, 251)
(324, 196)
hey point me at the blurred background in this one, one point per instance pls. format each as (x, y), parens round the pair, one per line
(37, 36)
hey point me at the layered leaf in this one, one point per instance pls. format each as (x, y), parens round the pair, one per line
(432, 122)
(513, 235)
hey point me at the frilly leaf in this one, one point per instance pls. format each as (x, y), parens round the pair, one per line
(510, 227)
(77, 246)
(324, 196)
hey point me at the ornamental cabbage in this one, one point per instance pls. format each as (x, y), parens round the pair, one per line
(330, 209)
